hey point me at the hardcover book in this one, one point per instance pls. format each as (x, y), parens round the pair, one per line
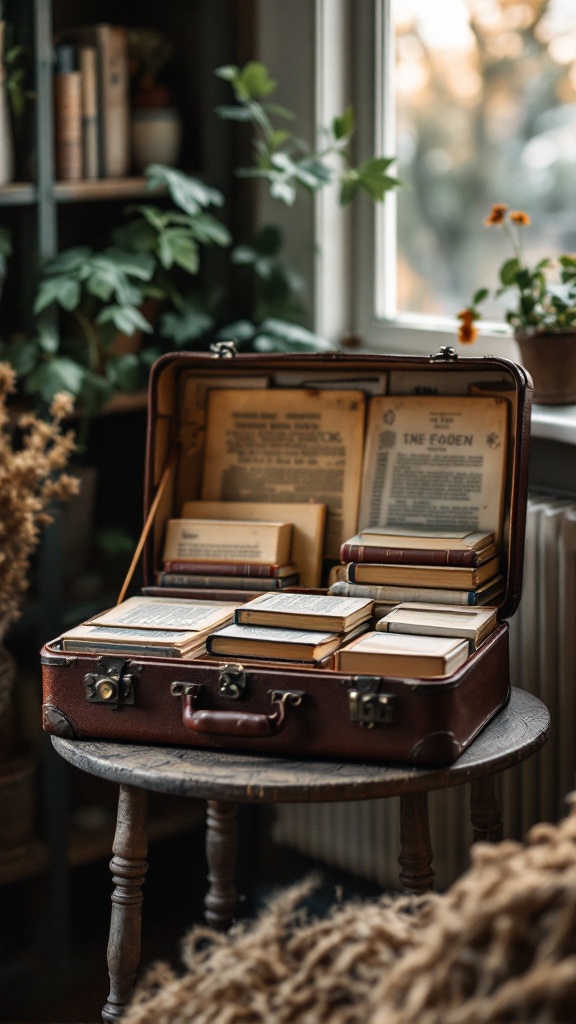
(474, 624)
(355, 550)
(396, 654)
(166, 613)
(435, 461)
(273, 643)
(305, 611)
(156, 643)
(283, 445)
(232, 569)
(222, 540)
(424, 537)
(392, 594)
(253, 583)
(460, 577)
(308, 524)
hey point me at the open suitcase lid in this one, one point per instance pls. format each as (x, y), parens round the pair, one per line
(174, 451)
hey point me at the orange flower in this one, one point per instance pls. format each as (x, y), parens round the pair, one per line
(519, 217)
(496, 215)
(467, 332)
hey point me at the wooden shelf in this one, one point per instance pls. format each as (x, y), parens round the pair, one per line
(18, 193)
(102, 189)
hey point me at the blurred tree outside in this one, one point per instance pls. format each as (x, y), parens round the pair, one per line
(485, 113)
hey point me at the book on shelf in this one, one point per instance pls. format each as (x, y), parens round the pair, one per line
(146, 626)
(392, 594)
(308, 524)
(217, 582)
(435, 461)
(460, 577)
(473, 624)
(356, 550)
(113, 113)
(278, 445)
(88, 63)
(248, 569)
(67, 115)
(401, 655)
(305, 611)
(424, 537)
(228, 540)
(272, 642)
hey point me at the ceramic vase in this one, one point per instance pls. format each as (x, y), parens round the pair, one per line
(550, 358)
(156, 135)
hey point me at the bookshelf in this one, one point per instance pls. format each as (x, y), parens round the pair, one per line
(46, 215)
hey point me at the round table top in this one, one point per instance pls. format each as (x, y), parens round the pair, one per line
(517, 731)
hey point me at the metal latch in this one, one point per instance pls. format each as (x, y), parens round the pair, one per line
(223, 349)
(232, 681)
(111, 685)
(447, 354)
(293, 697)
(367, 707)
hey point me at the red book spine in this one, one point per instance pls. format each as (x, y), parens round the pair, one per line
(220, 568)
(407, 556)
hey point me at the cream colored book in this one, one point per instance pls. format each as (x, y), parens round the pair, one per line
(400, 655)
(146, 643)
(165, 613)
(474, 624)
(288, 444)
(273, 642)
(308, 524)
(305, 611)
(437, 462)
(228, 540)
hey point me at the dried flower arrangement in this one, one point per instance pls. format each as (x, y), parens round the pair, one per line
(33, 456)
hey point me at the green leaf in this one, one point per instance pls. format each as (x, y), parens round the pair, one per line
(48, 338)
(374, 180)
(254, 81)
(349, 189)
(241, 331)
(480, 296)
(279, 111)
(95, 392)
(23, 355)
(186, 326)
(209, 230)
(135, 264)
(268, 240)
(124, 372)
(69, 261)
(126, 319)
(229, 113)
(343, 126)
(313, 172)
(298, 337)
(59, 374)
(188, 193)
(509, 270)
(283, 190)
(229, 72)
(177, 246)
(61, 289)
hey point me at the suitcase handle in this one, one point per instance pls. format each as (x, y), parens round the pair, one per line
(235, 723)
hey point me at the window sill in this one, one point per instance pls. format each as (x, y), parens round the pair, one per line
(554, 422)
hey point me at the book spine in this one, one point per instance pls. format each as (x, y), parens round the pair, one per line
(194, 568)
(399, 594)
(402, 575)
(113, 101)
(67, 116)
(89, 88)
(172, 579)
(407, 556)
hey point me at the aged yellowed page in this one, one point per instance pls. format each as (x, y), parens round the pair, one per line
(288, 445)
(435, 461)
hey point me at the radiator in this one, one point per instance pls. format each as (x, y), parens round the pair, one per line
(364, 837)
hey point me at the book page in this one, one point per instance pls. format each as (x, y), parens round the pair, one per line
(149, 613)
(288, 445)
(436, 462)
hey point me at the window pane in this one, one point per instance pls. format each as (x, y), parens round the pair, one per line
(486, 113)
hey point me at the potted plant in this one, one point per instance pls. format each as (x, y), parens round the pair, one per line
(543, 314)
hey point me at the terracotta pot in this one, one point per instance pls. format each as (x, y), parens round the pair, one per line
(550, 359)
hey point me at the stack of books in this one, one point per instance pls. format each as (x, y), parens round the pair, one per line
(221, 554)
(458, 567)
(145, 627)
(292, 627)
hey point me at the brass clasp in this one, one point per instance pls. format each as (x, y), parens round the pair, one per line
(110, 685)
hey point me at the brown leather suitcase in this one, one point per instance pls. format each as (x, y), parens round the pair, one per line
(283, 707)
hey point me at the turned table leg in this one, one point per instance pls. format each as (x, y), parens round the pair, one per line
(417, 874)
(221, 841)
(484, 811)
(128, 867)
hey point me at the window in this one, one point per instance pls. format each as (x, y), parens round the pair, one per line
(477, 98)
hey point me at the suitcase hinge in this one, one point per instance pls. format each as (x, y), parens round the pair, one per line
(367, 707)
(447, 354)
(111, 685)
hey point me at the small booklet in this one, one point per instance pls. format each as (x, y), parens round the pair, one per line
(474, 624)
(305, 611)
(399, 655)
(228, 540)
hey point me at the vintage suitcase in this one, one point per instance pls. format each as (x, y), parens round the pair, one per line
(281, 707)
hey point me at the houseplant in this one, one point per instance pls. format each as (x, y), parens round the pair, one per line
(34, 454)
(543, 312)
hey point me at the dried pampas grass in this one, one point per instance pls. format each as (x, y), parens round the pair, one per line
(499, 946)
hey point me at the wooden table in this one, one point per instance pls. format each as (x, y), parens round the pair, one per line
(225, 779)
